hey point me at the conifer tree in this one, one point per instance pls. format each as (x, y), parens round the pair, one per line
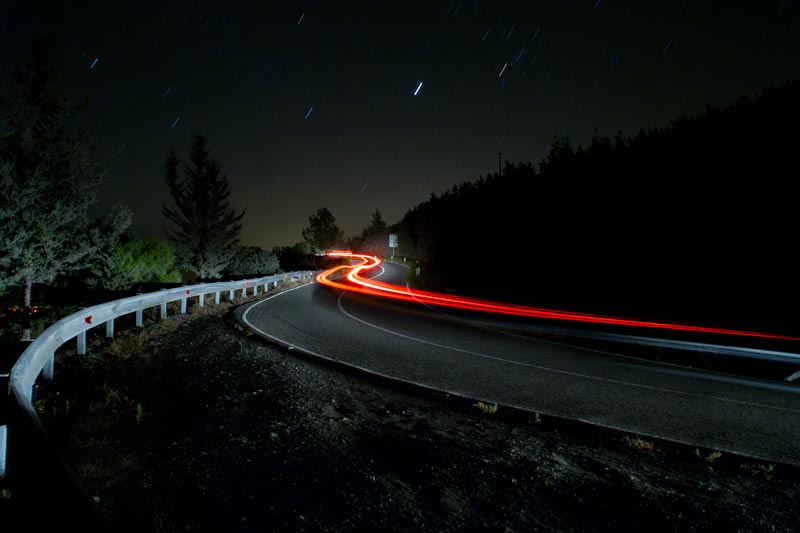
(49, 179)
(205, 228)
(322, 233)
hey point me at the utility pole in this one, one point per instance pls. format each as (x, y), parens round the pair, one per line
(499, 164)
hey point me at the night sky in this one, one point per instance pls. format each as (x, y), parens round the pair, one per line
(357, 105)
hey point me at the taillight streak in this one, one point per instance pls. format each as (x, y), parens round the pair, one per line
(362, 285)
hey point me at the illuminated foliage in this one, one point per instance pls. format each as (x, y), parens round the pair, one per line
(137, 261)
(252, 260)
(48, 181)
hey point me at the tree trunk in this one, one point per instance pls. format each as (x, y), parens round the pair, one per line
(26, 303)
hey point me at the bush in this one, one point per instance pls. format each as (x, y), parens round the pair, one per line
(137, 261)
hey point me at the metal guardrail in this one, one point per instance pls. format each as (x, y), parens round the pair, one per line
(39, 358)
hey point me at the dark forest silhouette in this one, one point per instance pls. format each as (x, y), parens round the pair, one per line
(694, 221)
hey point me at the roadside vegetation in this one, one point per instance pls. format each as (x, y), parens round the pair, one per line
(55, 255)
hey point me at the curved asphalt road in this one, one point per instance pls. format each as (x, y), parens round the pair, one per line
(418, 344)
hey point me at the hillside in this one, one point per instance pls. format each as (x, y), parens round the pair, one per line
(692, 222)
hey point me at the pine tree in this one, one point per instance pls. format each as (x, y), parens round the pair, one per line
(322, 233)
(48, 181)
(371, 239)
(376, 225)
(205, 228)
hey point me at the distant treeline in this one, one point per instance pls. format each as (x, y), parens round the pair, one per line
(693, 221)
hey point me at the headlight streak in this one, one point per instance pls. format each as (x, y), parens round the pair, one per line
(361, 285)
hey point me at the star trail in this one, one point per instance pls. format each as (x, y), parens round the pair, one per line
(409, 97)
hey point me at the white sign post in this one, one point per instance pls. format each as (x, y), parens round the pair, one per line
(392, 242)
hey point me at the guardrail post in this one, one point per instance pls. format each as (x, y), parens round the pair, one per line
(163, 308)
(183, 305)
(230, 297)
(201, 299)
(3, 446)
(81, 343)
(49, 366)
(110, 329)
(139, 321)
(216, 297)
(5, 407)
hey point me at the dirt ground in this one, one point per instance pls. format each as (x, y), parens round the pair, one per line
(193, 424)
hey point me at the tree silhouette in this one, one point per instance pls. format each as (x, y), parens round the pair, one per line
(376, 225)
(692, 221)
(205, 229)
(322, 233)
(372, 238)
(48, 181)
(295, 257)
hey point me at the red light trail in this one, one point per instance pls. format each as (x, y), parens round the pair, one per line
(362, 285)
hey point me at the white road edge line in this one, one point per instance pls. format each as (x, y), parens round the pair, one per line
(702, 374)
(364, 369)
(470, 398)
(556, 371)
(672, 368)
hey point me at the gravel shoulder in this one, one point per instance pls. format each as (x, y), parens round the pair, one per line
(194, 424)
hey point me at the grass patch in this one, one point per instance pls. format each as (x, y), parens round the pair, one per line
(638, 443)
(711, 457)
(486, 408)
(765, 470)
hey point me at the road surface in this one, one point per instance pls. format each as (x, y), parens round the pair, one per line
(466, 355)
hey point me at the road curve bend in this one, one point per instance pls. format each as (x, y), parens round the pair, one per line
(464, 354)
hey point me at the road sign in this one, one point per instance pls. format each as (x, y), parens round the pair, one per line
(392, 240)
